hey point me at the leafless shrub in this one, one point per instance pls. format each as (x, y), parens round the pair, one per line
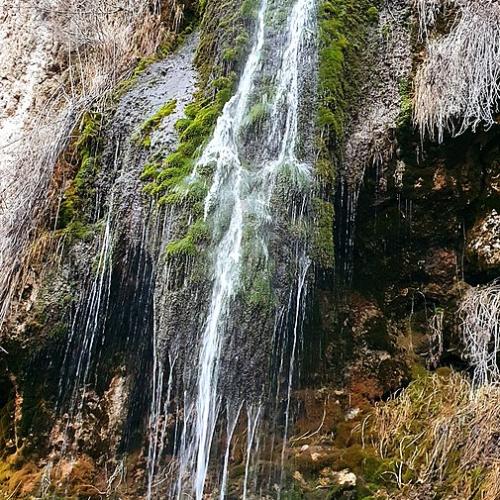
(458, 85)
(480, 314)
(100, 39)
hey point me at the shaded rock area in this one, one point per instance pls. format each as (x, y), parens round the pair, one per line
(415, 229)
(416, 252)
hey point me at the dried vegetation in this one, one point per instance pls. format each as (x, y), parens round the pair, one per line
(440, 437)
(480, 328)
(458, 85)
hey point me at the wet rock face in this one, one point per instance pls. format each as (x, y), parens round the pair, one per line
(443, 197)
(139, 233)
(430, 229)
(441, 265)
(483, 245)
(65, 294)
(427, 223)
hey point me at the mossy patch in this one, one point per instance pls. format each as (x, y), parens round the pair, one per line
(342, 27)
(143, 135)
(167, 178)
(78, 196)
(257, 291)
(405, 115)
(322, 244)
(223, 42)
(189, 245)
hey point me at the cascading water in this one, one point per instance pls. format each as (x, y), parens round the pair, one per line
(158, 335)
(240, 211)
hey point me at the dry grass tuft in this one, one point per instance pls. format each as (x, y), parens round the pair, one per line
(436, 338)
(442, 432)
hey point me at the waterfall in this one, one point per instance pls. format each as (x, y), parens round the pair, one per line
(239, 208)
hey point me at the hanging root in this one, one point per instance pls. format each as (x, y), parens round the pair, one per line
(116, 479)
(480, 315)
(427, 12)
(458, 86)
(436, 338)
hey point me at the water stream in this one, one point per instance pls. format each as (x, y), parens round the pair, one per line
(239, 208)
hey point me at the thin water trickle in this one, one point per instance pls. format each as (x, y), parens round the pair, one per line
(253, 416)
(89, 316)
(232, 420)
(298, 318)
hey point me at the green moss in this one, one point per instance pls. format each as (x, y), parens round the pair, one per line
(260, 294)
(322, 250)
(405, 115)
(249, 8)
(181, 248)
(143, 136)
(372, 13)
(79, 193)
(325, 171)
(78, 230)
(166, 179)
(189, 245)
(386, 31)
(187, 193)
(418, 372)
(230, 54)
(342, 27)
(225, 32)
(256, 114)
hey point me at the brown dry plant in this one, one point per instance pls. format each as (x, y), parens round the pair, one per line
(441, 433)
